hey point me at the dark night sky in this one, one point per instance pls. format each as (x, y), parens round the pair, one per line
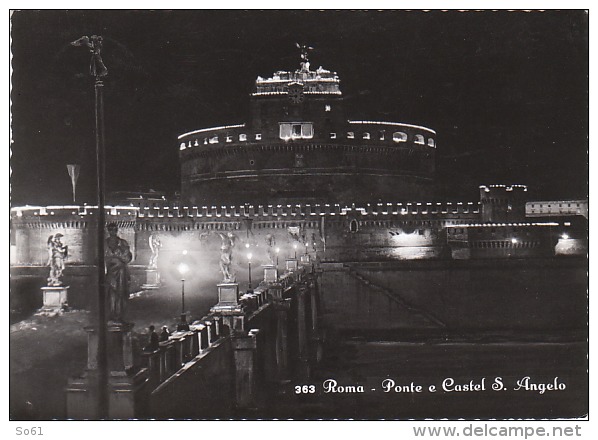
(506, 92)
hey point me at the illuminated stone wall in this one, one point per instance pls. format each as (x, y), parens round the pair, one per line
(32, 226)
(328, 232)
(298, 146)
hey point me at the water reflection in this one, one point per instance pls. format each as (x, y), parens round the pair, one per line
(414, 253)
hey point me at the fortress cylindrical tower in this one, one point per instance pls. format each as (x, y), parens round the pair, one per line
(503, 203)
(299, 147)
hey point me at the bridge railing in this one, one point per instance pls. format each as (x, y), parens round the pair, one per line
(185, 346)
(181, 347)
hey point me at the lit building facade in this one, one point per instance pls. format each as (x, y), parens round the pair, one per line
(300, 146)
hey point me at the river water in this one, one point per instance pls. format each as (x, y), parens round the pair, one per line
(520, 325)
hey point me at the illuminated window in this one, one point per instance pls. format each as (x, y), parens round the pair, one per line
(258, 137)
(327, 108)
(399, 136)
(296, 131)
(431, 143)
(350, 135)
(366, 135)
(242, 137)
(229, 139)
(419, 139)
(332, 135)
(213, 140)
(303, 130)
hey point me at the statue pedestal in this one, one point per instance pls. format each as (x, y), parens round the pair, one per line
(270, 273)
(125, 387)
(291, 264)
(54, 297)
(152, 279)
(229, 309)
(119, 346)
(228, 298)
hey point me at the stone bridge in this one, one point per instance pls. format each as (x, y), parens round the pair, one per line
(227, 363)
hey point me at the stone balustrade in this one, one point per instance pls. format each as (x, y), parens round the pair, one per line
(245, 341)
(183, 346)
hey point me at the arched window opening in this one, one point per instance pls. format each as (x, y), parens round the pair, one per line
(399, 136)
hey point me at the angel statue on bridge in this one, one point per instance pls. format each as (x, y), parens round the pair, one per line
(226, 256)
(57, 253)
(270, 243)
(155, 244)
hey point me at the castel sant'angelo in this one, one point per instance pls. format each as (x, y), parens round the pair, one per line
(301, 176)
(299, 146)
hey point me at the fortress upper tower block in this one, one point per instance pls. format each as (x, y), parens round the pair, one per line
(299, 146)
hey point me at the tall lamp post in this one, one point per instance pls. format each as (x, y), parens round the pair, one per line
(183, 269)
(295, 247)
(277, 252)
(249, 266)
(98, 70)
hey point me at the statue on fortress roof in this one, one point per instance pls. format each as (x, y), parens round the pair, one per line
(304, 56)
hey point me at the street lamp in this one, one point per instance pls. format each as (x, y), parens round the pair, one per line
(295, 247)
(183, 269)
(249, 265)
(277, 252)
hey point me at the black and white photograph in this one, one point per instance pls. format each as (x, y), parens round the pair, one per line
(299, 215)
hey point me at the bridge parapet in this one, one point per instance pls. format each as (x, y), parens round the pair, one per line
(254, 331)
(245, 340)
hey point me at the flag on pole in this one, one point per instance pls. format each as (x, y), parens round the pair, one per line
(73, 170)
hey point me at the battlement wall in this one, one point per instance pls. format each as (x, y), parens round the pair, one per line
(128, 216)
(550, 208)
(32, 226)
